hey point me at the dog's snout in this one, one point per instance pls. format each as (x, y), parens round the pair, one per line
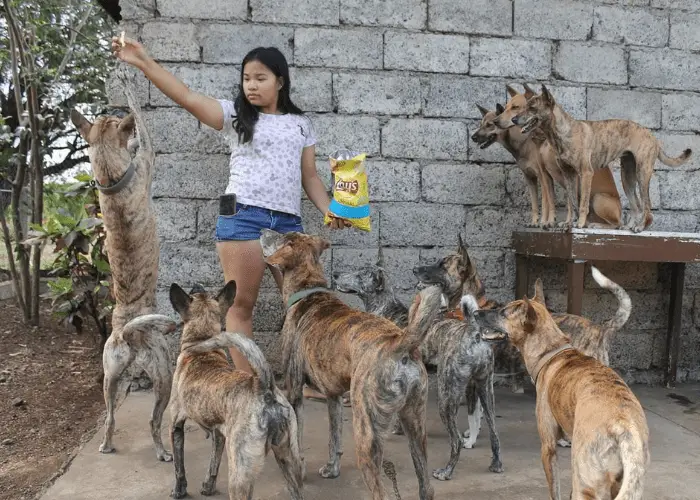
(514, 120)
(336, 275)
(474, 136)
(197, 288)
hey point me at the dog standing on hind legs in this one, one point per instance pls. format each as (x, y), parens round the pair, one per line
(581, 396)
(124, 185)
(242, 411)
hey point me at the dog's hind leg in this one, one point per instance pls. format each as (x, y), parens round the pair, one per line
(474, 410)
(335, 444)
(534, 205)
(162, 383)
(488, 401)
(289, 461)
(116, 357)
(412, 418)
(177, 441)
(628, 176)
(369, 449)
(217, 449)
(548, 430)
(245, 460)
(450, 389)
(645, 169)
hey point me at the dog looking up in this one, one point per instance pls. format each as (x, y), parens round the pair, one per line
(581, 396)
(124, 186)
(336, 348)
(244, 411)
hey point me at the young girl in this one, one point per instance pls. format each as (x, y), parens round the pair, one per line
(272, 157)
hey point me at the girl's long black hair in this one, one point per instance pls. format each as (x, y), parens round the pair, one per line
(246, 113)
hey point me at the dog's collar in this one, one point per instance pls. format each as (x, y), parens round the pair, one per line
(302, 294)
(121, 183)
(546, 359)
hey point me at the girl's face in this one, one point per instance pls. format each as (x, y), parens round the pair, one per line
(261, 86)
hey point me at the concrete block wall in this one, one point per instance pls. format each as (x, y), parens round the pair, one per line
(399, 79)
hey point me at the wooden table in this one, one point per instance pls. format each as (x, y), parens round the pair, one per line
(580, 245)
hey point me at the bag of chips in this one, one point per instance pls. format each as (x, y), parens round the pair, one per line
(350, 189)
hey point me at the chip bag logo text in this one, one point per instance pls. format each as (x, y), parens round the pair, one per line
(351, 187)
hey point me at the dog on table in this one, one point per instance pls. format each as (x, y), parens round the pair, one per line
(533, 149)
(336, 348)
(243, 411)
(581, 396)
(124, 186)
(584, 147)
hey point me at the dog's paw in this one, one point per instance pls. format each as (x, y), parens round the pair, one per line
(329, 471)
(496, 466)
(443, 474)
(208, 488)
(106, 448)
(564, 443)
(179, 491)
(467, 443)
(164, 456)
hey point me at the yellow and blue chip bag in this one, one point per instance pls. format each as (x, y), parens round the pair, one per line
(350, 189)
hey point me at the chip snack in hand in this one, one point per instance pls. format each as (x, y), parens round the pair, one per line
(350, 189)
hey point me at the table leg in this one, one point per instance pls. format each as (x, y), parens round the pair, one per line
(575, 269)
(674, 323)
(522, 276)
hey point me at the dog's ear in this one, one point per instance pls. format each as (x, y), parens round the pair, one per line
(482, 110)
(82, 124)
(380, 257)
(320, 244)
(511, 91)
(499, 108)
(226, 296)
(528, 91)
(127, 125)
(281, 257)
(547, 96)
(379, 280)
(539, 291)
(530, 316)
(462, 248)
(180, 300)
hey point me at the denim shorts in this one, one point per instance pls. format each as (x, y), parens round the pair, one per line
(248, 220)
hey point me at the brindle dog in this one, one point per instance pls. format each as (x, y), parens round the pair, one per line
(124, 185)
(372, 286)
(465, 366)
(336, 348)
(244, 411)
(576, 393)
(587, 146)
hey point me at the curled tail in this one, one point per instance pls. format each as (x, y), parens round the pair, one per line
(634, 455)
(674, 162)
(245, 346)
(423, 312)
(625, 303)
(147, 329)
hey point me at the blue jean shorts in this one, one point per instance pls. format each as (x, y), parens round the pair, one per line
(249, 220)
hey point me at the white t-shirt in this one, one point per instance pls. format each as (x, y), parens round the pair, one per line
(266, 172)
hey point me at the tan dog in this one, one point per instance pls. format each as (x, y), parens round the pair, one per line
(336, 348)
(124, 186)
(588, 146)
(576, 393)
(605, 205)
(244, 411)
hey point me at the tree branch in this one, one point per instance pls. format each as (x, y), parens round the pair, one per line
(71, 44)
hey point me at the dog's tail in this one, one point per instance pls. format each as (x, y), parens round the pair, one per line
(247, 347)
(147, 329)
(423, 312)
(674, 162)
(634, 454)
(625, 303)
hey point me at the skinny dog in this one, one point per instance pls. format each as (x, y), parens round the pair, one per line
(465, 366)
(124, 186)
(243, 411)
(534, 154)
(587, 146)
(334, 348)
(576, 393)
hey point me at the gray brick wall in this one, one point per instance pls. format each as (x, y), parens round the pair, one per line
(399, 80)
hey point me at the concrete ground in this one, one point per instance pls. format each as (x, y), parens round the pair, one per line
(133, 472)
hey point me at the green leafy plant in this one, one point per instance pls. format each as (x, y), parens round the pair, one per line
(80, 286)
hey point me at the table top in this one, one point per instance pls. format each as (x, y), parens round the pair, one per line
(607, 244)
